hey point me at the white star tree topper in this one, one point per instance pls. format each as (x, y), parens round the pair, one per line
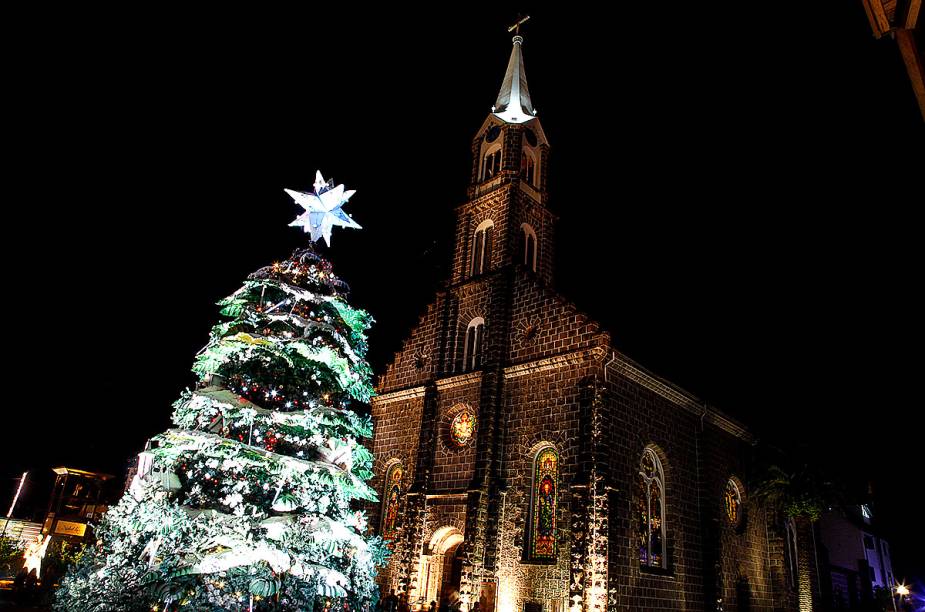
(322, 209)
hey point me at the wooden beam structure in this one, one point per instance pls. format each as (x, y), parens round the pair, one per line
(912, 14)
(913, 60)
(876, 14)
(900, 19)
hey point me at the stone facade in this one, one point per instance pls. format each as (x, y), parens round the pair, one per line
(548, 376)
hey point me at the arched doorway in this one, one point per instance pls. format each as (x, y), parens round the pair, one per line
(452, 575)
(441, 568)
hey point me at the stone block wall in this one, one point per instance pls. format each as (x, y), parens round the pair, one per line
(541, 408)
(544, 324)
(453, 465)
(640, 418)
(737, 557)
(494, 206)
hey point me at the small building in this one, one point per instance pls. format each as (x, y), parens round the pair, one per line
(77, 498)
(858, 557)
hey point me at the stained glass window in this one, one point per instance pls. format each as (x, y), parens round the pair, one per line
(462, 427)
(732, 501)
(650, 511)
(391, 499)
(545, 503)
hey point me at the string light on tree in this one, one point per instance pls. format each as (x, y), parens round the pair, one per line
(247, 500)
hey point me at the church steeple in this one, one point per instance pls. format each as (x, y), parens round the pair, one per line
(506, 222)
(511, 140)
(513, 104)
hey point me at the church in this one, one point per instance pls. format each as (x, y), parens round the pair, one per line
(525, 465)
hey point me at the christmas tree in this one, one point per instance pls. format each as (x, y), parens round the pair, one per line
(249, 502)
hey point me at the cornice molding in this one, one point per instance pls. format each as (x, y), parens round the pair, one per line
(552, 363)
(444, 384)
(461, 380)
(621, 365)
(398, 396)
(630, 370)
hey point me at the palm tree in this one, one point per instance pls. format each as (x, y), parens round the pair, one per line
(802, 495)
(799, 493)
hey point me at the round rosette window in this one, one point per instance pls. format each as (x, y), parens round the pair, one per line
(462, 427)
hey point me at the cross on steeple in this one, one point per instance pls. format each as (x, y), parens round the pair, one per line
(516, 27)
(513, 104)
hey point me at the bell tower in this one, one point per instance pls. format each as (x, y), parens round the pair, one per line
(450, 377)
(504, 244)
(506, 221)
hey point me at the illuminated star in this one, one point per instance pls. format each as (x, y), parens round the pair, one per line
(322, 209)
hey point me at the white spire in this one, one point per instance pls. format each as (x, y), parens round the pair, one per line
(513, 104)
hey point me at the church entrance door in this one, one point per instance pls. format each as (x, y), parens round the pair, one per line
(441, 569)
(452, 575)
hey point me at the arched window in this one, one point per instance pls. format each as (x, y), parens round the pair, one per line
(491, 163)
(528, 167)
(650, 510)
(391, 499)
(529, 260)
(543, 530)
(472, 349)
(481, 248)
(732, 502)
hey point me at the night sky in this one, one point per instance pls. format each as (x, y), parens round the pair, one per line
(736, 190)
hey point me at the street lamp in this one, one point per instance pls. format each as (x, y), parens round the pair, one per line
(901, 590)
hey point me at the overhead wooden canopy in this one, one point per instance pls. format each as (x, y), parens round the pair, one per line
(900, 19)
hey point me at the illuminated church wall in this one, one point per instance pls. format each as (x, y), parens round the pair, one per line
(542, 413)
(670, 578)
(549, 354)
(545, 407)
(397, 434)
(738, 534)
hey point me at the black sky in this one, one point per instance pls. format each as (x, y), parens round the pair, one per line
(737, 191)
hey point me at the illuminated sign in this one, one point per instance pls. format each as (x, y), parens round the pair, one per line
(70, 528)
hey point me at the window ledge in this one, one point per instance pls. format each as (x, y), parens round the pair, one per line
(656, 572)
(532, 563)
(529, 189)
(488, 184)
